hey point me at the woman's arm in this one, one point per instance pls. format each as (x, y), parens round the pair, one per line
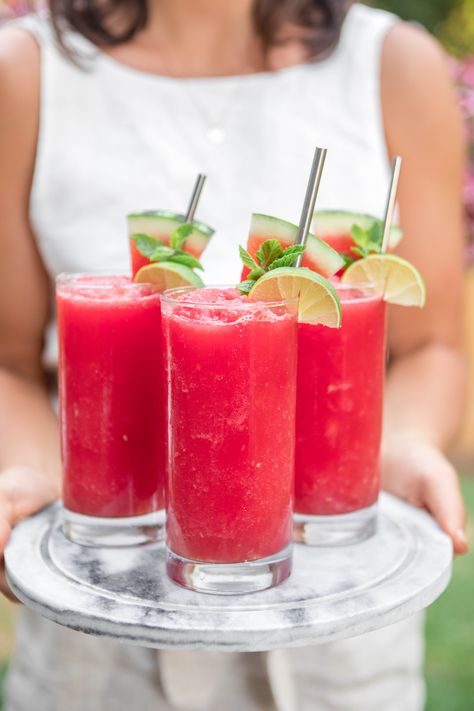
(29, 452)
(425, 385)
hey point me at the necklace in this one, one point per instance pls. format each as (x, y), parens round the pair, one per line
(214, 119)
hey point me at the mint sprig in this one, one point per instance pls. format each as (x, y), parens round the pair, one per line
(155, 250)
(268, 252)
(269, 256)
(367, 241)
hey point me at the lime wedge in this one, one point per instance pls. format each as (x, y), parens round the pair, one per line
(398, 280)
(167, 275)
(318, 301)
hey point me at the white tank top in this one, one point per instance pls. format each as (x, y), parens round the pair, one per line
(113, 140)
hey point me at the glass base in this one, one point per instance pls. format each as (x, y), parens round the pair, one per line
(338, 530)
(113, 532)
(230, 578)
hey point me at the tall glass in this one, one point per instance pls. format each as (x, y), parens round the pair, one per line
(111, 409)
(231, 376)
(339, 421)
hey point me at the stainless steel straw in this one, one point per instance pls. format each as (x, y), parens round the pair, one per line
(310, 199)
(193, 203)
(392, 196)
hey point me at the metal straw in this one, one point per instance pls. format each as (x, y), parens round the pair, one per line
(193, 203)
(392, 196)
(310, 200)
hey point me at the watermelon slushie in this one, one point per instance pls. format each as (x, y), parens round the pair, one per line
(232, 390)
(339, 419)
(111, 406)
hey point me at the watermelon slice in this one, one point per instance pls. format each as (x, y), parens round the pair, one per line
(334, 227)
(319, 257)
(161, 224)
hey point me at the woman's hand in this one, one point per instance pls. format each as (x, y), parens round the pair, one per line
(23, 491)
(421, 474)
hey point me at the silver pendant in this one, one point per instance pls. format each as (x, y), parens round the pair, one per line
(216, 135)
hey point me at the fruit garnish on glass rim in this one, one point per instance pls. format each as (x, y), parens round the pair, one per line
(272, 277)
(367, 241)
(161, 224)
(396, 279)
(155, 250)
(269, 256)
(319, 256)
(167, 275)
(170, 266)
(335, 228)
(276, 272)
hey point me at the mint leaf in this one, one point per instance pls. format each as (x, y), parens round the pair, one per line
(288, 257)
(156, 251)
(375, 234)
(161, 254)
(295, 250)
(255, 274)
(268, 252)
(367, 241)
(187, 259)
(359, 235)
(247, 259)
(180, 235)
(286, 261)
(245, 286)
(270, 256)
(145, 244)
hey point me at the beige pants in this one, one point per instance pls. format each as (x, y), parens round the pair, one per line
(56, 669)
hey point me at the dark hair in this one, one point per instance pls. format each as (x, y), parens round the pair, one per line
(317, 22)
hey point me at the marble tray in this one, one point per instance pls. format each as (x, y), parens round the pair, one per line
(333, 593)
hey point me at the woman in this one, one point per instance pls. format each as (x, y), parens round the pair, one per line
(159, 91)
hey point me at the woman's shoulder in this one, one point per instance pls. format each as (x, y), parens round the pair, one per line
(409, 50)
(16, 43)
(19, 106)
(417, 90)
(415, 68)
(19, 68)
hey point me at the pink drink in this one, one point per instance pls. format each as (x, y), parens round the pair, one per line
(232, 388)
(339, 408)
(111, 396)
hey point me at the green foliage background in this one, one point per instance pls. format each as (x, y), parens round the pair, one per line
(452, 21)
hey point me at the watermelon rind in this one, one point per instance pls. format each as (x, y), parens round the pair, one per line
(159, 223)
(336, 222)
(321, 257)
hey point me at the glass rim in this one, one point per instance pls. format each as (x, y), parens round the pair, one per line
(346, 286)
(368, 290)
(169, 297)
(81, 279)
(115, 286)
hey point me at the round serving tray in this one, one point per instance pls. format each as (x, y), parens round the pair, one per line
(332, 593)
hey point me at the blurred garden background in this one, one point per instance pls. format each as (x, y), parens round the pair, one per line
(450, 621)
